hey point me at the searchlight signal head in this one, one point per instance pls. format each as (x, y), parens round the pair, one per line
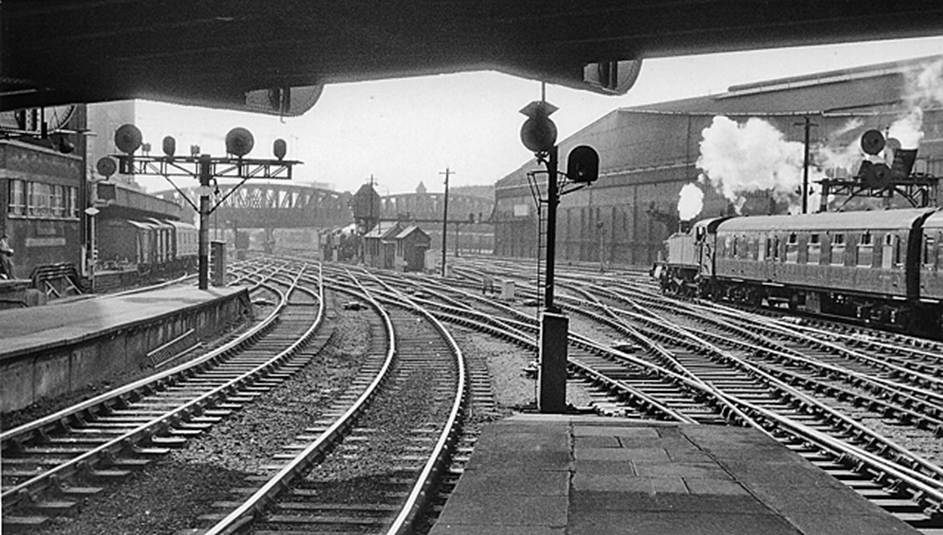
(239, 142)
(128, 138)
(280, 148)
(169, 146)
(538, 133)
(872, 142)
(582, 165)
(106, 167)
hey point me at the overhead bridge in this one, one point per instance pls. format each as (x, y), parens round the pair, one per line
(271, 206)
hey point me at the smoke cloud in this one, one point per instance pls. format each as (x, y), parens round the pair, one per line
(753, 156)
(922, 89)
(690, 202)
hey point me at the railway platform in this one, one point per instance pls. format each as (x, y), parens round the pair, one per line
(556, 475)
(55, 349)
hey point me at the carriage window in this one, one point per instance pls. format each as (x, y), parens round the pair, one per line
(939, 250)
(815, 249)
(929, 251)
(865, 252)
(838, 250)
(792, 248)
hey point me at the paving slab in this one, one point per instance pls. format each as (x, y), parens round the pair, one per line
(555, 475)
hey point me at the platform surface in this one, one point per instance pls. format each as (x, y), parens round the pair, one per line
(572, 475)
(35, 328)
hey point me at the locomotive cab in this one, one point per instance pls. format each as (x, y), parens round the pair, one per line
(690, 262)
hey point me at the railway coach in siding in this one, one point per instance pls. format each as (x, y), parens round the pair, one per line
(859, 264)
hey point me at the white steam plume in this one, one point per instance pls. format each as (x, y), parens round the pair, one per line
(690, 202)
(922, 89)
(752, 156)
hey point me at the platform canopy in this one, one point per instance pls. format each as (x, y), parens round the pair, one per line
(274, 55)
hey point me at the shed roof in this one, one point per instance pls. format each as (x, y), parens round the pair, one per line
(409, 230)
(382, 230)
(871, 220)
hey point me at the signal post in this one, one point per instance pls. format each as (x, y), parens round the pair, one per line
(206, 169)
(539, 135)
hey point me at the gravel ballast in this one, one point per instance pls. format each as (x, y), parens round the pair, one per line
(172, 492)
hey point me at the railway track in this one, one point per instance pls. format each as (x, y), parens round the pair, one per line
(369, 466)
(53, 461)
(890, 476)
(893, 477)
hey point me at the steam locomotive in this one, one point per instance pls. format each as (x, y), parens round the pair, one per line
(884, 267)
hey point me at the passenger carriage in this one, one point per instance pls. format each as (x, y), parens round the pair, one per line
(861, 264)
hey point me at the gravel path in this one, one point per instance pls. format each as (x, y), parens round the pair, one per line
(171, 493)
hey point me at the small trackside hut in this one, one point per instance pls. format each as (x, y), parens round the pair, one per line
(393, 245)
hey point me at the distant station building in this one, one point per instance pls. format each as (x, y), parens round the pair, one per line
(649, 153)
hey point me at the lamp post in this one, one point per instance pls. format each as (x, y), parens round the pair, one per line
(206, 169)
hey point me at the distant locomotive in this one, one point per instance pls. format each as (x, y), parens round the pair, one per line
(150, 245)
(885, 267)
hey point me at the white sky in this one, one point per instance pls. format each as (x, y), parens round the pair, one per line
(408, 130)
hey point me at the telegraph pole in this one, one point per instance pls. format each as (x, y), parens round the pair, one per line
(445, 214)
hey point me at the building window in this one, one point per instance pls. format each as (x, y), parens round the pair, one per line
(58, 199)
(17, 197)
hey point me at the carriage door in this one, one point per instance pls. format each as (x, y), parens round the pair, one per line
(891, 242)
(771, 256)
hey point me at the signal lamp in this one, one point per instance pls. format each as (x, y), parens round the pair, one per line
(106, 166)
(239, 142)
(64, 145)
(279, 148)
(194, 150)
(872, 142)
(538, 133)
(128, 138)
(582, 165)
(169, 145)
(145, 148)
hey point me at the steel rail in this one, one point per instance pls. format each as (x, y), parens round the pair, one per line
(113, 446)
(833, 415)
(246, 512)
(856, 378)
(841, 351)
(59, 416)
(443, 449)
(505, 328)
